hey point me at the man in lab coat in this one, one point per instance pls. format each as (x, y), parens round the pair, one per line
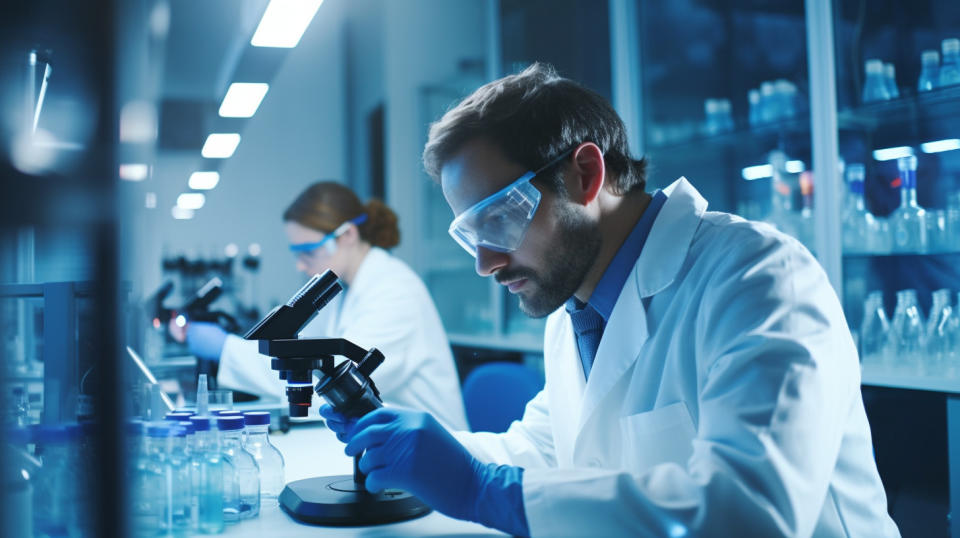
(700, 375)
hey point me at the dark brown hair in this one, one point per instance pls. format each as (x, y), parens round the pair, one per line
(325, 205)
(533, 117)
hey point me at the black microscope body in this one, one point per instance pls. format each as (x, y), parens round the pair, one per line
(348, 388)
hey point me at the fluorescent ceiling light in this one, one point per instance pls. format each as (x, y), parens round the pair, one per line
(941, 145)
(220, 145)
(180, 213)
(203, 181)
(794, 167)
(757, 172)
(243, 99)
(284, 22)
(888, 154)
(134, 171)
(191, 200)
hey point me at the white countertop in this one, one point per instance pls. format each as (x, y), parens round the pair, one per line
(313, 450)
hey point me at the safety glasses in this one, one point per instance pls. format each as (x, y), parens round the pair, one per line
(500, 221)
(306, 249)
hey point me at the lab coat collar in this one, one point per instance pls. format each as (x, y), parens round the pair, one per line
(670, 238)
(656, 268)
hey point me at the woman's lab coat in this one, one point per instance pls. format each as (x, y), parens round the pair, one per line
(724, 399)
(387, 307)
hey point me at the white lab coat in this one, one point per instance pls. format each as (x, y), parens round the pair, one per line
(387, 307)
(724, 399)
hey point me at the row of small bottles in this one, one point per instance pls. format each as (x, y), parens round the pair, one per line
(200, 473)
(774, 101)
(910, 342)
(910, 229)
(881, 80)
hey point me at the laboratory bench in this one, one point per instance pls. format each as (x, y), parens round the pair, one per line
(309, 450)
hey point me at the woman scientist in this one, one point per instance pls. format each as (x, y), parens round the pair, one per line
(385, 305)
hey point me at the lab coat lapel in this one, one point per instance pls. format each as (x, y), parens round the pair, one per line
(659, 263)
(564, 373)
(620, 346)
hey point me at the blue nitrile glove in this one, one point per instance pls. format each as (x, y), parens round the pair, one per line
(410, 450)
(337, 423)
(205, 340)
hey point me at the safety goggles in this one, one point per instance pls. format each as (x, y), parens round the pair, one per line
(500, 221)
(305, 249)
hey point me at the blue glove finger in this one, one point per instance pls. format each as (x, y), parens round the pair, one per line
(377, 416)
(327, 411)
(342, 437)
(378, 458)
(367, 438)
(339, 427)
(376, 482)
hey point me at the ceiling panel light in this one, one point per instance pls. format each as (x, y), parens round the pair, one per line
(203, 181)
(941, 145)
(243, 99)
(191, 200)
(757, 172)
(180, 213)
(134, 171)
(284, 22)
(889, 154)
(220, 145)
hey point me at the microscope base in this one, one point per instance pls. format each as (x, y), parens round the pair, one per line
(338, 501)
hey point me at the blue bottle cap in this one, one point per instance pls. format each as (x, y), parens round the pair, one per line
(200, 424)
(227, 412)
(229, 422)
(178, 415)
(256, 418)
(188, 427)
(161, 429)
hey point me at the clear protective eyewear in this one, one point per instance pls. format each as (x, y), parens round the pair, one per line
(305, 249)
(500, 221)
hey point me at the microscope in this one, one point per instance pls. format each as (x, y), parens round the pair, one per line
(348, 388)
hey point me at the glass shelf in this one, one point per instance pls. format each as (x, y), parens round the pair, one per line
(883, 376)
(743, 135)
(931, 106)
(943, 252)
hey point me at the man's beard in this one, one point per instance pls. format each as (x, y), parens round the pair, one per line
(576, 248)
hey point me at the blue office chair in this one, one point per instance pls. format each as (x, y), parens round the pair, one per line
(496, 393)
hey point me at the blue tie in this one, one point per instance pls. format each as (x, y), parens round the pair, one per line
(588, 327)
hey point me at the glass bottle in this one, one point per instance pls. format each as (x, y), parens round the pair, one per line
(167, 465)
(861, 230)
(875, 87)
(753, 97)
(246, 475)
(950, 68)
(890, 76)
(208, 476)
(909, 220)
(929, 71)
(905, 344)
(874, 330)
(268, 457)
(937, 334)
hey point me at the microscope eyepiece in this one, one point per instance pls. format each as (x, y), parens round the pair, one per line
(299, 397)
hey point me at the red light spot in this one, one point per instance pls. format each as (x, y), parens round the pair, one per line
(156, 323)
(896, 183)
